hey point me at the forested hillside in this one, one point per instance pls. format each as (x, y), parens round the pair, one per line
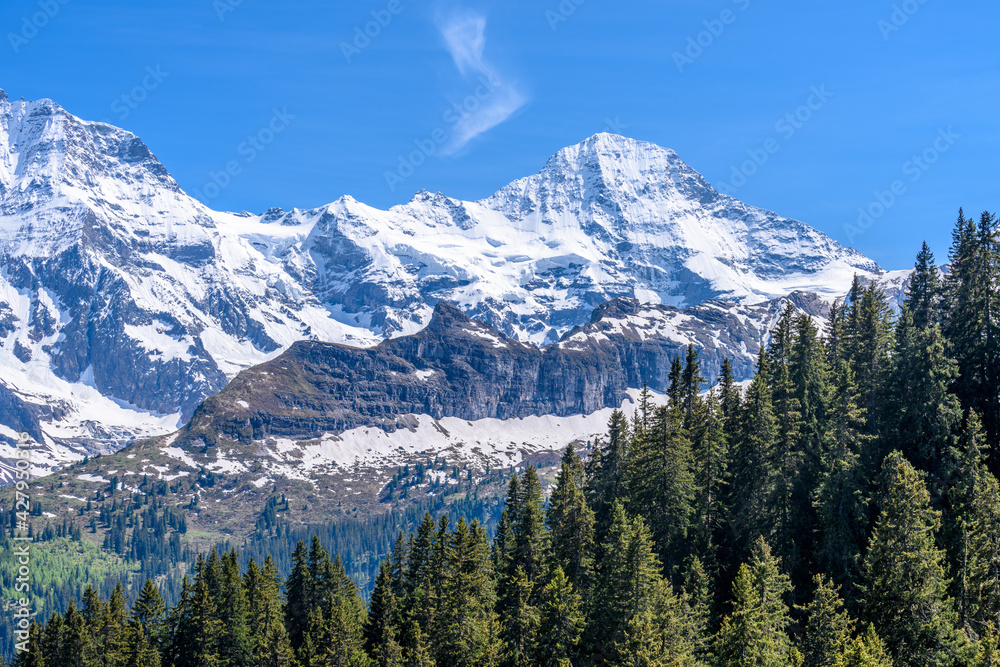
(842, 509)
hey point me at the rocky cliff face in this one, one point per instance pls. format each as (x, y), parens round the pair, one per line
(459, 368)
(124, 302)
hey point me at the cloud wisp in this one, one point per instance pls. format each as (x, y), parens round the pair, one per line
(495, 100)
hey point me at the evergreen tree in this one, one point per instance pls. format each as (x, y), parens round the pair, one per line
(630, 589)
(867, 345)
(691, 382)
(466, 628)
(729, 400)
(923, 294)
(710, 458)
(661, 484)
(380, 632)
(828, 627)
(234, 642)
(420, 654)
(606, 471)
(752, 467)
(76, 643)
(865, 650)
(561, 622)
(270, 645)
(148, 613)
(571, 523)
(35, 655)
(756, 632)
(973, 534)
(299, 596)
(988, 649)
(140, 650)
(905, 593)
(841, 498)
(972, 316)
(519, 624)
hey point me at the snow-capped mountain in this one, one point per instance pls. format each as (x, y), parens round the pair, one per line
(124, 302)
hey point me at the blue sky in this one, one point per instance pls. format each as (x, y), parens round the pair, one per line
(812, 109)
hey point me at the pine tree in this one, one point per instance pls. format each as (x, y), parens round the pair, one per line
(234, 642)
(691, 382)
(140, 650)
(828, 627)
(270, 645)
(922, 414)
(380, 632)
(529, 526)
(561, 622)
(519, 624)
(148, 613)
(756, 632)
(35, 655)
(811, 391)
(710, 454)
(571, 523)
(661, 483)
(606, 471)
(629, 586)
(923, 294)
(841, 497)
(865, 650)
(419, 655)
(76, 643)
(752, 465)
(988, 649)
(465, 633)
(973, 534)
(299, 596)
(867, 345)
(972, 318)
(905, 592)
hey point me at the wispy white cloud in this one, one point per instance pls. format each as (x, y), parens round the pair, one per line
(495, 98)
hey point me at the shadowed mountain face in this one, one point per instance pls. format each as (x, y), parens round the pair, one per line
(457, 367)
(124, 302)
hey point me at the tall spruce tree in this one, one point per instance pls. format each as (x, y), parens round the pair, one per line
(466, 628)
(561, 622)
(756, 632)
(270, 645)
(571, 524)
(752, 476)
(710, 454)
(972, 318)
(828, 626)
(606, 471)
(905, 591)
(972, 530)
(841, 496)
(661, 483)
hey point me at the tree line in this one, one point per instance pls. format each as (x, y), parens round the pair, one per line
(841, 509)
